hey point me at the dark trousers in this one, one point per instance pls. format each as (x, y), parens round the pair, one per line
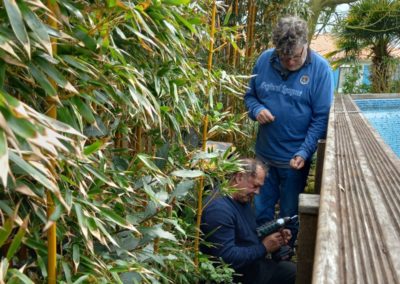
(267, 271)
(284, 185)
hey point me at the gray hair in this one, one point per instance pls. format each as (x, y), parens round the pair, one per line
(289, 33)
(249, 166)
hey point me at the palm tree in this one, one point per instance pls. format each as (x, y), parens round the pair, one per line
(372, 25)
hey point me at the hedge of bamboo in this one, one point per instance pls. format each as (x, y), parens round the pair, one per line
(105, 108)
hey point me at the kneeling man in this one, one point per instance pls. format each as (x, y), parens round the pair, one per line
(229, 224)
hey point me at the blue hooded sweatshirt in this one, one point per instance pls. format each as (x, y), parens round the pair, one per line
(299, 100)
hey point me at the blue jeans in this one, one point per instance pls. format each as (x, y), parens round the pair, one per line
(283, 185)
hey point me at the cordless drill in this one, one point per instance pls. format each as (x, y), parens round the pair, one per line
(285, 252)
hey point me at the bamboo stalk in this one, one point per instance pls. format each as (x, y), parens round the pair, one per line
(204, 140)
(117, 140)
(235, 52)
(212, 32)
(253, 25)
(52, 112)
(139, 131)
(252, 11)
(248, 34)
(156, 245)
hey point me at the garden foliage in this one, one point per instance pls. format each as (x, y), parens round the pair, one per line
(101, 111)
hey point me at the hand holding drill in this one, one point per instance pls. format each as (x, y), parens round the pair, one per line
(275, 241)
(275, 237)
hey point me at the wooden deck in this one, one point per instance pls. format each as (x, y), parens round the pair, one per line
(358, 236)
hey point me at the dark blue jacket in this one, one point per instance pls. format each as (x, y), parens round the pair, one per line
(231, 227)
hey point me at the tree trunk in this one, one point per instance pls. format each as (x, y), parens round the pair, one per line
(381, 68)
(316, 8)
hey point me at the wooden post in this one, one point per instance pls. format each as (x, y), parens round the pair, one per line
(319, 166)
(308, 214)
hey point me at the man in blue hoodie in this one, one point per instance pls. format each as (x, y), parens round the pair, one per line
(229, 225)
(290, 97)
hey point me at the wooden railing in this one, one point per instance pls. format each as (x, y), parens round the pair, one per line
(358, 227)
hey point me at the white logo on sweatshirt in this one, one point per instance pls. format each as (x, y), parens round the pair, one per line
(304, 80)
(281, 89)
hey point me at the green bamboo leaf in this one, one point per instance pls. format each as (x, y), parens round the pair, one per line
(142, 36)
(4, 206)
(99, 175)
(119, 269)
(36, 174)
(68, 180)
(120, 33)
(5, 44)
(39, 4)
(15, 273)
(81, 279)
(176, 2)
(106, 233)
(83, 109)
(187, 173)
(55, 75)
(42, 265)
(176, 225)
(111, 3)
(74, 10)
(92, 147)
(76, 255)
(38, 28)
(69, 198)
(228, 15)
(11, 101)
(66, 121)
(143, 24)
(81, 220)
(208, 155)
(42, 80)
(17, 24)
(158, 232)
(10, 60)
(17, 240)
(67, 271)
(89, 42)
(182, 188)
(146, 159)
(79, 64)
(117, 219)
(25, 189)
(3, 270)
(184, 22)
(20, 126)
(5, 231)
(195, 20)
(4, 166)
(94, 230)
(57, 213)
(37, 245)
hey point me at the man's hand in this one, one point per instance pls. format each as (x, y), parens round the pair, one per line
(273, 242)
(265, 116)
(297, 163)
(286, 236)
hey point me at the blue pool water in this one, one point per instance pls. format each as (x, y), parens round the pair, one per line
(384, 116)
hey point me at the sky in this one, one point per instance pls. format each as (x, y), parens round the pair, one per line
(340, 9)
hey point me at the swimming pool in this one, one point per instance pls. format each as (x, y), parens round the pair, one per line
(384, 116)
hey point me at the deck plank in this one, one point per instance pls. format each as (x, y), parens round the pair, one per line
(358, 237)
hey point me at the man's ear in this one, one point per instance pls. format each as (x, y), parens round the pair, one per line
(238, 177)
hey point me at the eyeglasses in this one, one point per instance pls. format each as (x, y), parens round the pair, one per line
(298, 57)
